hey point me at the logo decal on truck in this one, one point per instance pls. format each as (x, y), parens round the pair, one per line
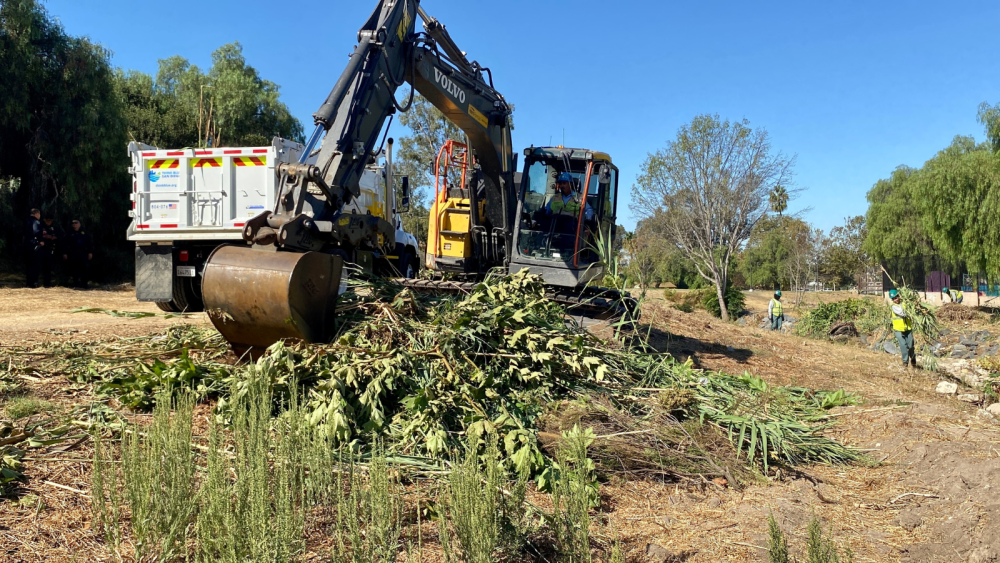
(154, 176)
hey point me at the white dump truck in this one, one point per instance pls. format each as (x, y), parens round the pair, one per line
(185, 203)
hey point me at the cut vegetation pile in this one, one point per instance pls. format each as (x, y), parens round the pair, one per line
(868, 316)
(416, 383)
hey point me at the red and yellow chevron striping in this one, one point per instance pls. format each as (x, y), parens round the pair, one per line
(206, 163)
(163, 163)
(250, 160)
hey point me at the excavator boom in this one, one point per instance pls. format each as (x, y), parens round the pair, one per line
(284, 282)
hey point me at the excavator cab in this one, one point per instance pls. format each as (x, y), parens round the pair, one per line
(567, 197)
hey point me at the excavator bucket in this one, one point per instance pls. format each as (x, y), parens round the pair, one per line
(257, 297)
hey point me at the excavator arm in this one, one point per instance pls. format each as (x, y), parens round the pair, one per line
(284, 282)
(308, 211)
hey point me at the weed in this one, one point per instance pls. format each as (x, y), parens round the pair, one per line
(486, 517)
(23, 407)
(573, 493)
(158, 471)
(777, 543)
(106, 500)
(821, 549)
(369, 518)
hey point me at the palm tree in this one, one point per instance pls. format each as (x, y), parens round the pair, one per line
(778, 200)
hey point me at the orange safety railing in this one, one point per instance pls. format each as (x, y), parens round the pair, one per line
(451, 154)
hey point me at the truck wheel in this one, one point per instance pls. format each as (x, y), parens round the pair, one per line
(167, 306)
(408, 266)
(187, 297)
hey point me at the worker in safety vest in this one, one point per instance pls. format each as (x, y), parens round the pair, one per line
(775, 313)
(955, 296)
(902, 325)
(566, 202)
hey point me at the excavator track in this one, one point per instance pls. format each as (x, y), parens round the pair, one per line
(594, 302)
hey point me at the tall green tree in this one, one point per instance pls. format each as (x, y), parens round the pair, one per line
(62, 130)
(778, 199)
(707, 189)
(844, 257)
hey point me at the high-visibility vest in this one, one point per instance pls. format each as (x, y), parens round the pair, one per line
(901, 324)
(775, 308)
(560, 207)
(958, 296)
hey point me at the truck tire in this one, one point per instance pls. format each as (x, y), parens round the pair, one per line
(167, 306)
(408, 266)
(187, 297)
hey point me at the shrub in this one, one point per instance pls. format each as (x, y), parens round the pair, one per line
(735, 302)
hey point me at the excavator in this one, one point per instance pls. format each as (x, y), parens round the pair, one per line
(284, 281)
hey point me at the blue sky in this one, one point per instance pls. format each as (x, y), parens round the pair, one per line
(851, 89)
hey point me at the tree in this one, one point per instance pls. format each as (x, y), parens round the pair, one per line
(778, 199)
(62, 131)
(844, 257)
(707, 189)
(416, 155)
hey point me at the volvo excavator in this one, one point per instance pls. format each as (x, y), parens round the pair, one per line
(285, 280)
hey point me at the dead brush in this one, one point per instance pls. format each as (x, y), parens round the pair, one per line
(651, 444)
(953, 312)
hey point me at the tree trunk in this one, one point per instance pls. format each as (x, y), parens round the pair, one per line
(721, 291)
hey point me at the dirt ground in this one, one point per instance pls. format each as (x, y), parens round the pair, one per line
(46, 314)
(926, 496)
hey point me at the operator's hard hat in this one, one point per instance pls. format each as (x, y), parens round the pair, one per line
(944, 290)
(777, 293)
(564, 177)
(893, 294)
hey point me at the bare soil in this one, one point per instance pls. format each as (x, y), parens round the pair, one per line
(927, 496)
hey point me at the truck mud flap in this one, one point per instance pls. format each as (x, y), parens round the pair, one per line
(154, 273)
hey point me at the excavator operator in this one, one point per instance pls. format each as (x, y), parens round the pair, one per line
(566, 203)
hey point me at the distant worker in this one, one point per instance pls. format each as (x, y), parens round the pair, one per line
(954, 296)
(566, 202)
(51, 235)
(902, 325)
(775, 313)
(34, 246)
(77, 253)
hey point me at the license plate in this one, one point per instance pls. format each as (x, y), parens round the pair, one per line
(185, 271)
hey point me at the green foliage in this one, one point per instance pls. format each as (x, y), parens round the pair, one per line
(62, 131)
(735, 302)
(821, 549)
(486, 518)
(23, 407)
(65, 126)
(778, 199)
(257, 517)
(370, 515)
(947, 208)
(870, 316)
(574, 491)
(777, 543)
(774, 423)
(845, 257)
(138, 389)
(158, 472)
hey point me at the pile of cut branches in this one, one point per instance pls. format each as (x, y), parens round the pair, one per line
(869, 316)
(419, 373)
